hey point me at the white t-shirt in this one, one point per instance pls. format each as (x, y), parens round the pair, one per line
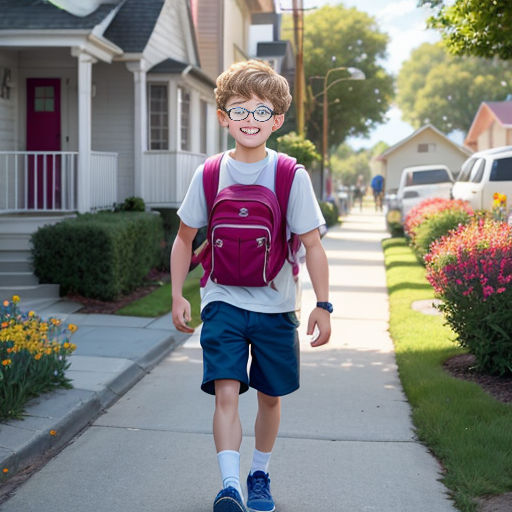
(303, 215)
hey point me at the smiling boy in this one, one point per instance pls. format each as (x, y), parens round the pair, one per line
(252, 100)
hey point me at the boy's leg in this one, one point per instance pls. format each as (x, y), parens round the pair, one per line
(266, 426)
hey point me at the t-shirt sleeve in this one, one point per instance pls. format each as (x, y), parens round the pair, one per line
(303, 214)
(192, 211)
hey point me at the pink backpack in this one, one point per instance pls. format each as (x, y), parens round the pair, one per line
(246, 242)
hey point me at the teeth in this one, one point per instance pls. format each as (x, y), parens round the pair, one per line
(250, 131)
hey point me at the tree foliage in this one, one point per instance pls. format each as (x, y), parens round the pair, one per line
(474, 27)
(335, 36)
(445, 90)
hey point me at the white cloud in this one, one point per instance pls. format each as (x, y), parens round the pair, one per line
(396, 10)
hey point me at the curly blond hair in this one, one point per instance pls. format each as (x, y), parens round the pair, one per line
(253, 77)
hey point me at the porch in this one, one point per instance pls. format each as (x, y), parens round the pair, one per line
(47, 181)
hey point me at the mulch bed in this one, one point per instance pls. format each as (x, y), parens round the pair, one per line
(462, 367)
(90, 306)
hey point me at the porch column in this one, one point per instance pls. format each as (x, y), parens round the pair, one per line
(85, 62)
(140, 123)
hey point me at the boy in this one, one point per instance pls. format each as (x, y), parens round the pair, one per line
(251, 99)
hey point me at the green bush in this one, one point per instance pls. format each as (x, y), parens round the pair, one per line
(100, 255)
(330, 213)
(132, 204)
(434, 227)
(300, 148)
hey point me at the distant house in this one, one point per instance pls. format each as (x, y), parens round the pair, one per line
(427, 145)
(491, 127)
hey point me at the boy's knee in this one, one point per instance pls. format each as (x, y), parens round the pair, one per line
(268, 401)
(226, 393)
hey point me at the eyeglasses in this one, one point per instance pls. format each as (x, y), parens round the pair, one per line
(260, 114)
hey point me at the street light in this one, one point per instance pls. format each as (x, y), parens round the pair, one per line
(355, 74)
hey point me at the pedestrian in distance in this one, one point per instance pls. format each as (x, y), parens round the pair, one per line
(377, 185)
(359, 191)
(252, 100)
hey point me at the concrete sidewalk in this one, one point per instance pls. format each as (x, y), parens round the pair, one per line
(113, 353)
(346, 441)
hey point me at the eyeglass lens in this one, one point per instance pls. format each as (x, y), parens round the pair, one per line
(260, 114)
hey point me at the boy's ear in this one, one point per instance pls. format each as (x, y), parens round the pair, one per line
(278, 122)
(222, 117)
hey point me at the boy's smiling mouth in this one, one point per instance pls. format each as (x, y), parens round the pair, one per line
(250, 131)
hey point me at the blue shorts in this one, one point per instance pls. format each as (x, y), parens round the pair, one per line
(226, 335)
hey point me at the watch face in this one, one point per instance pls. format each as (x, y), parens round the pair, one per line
(325, 305)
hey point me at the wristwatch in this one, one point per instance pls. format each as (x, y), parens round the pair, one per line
(325, 305)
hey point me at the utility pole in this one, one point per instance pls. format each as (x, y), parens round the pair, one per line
(298, 30)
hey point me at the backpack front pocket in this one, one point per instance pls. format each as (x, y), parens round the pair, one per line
(240, 254)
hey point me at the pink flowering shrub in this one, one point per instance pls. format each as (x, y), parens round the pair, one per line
(471, 272)
(432, 219)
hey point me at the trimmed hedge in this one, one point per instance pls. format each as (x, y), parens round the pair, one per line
(330, 213)
(100, 255)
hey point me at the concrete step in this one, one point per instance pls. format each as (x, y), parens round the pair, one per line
(18, 279)
(15, 256)
(41, 291)
(15, 242)
(15, 266)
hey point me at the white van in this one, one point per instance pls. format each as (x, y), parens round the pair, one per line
(420, 182)
(482, 175)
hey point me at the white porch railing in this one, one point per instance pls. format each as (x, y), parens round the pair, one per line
(166, 176)
(103, 179)
(47, 180)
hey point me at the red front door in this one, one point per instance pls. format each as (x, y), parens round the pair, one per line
(43, 134)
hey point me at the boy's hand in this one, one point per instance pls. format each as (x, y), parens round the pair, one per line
(322, 319)
(181, 314)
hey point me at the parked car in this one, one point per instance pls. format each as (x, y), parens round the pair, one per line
(420, 182)
(482, 175)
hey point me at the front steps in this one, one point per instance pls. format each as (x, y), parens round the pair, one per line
(16, 272)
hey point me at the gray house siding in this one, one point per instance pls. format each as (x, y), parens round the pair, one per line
(8, 60)
(112, 119)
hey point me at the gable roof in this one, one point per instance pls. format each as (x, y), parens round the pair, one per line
(502, 110)
(398, 145)
(134, 23)
(489, 111)
(174, 66)
(41, 15)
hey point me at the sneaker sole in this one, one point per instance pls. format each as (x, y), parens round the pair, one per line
(228, 504)
(259, 510)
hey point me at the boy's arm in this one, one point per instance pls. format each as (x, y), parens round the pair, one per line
(180, 263)
(318, 268)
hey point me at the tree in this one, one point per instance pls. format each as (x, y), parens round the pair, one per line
(347, 165)
(445, 90)
(335, 36)
(474, 27)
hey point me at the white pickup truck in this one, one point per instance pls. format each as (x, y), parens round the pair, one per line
(482, 175)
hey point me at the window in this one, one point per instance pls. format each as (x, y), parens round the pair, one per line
(204, 127)
(501, 170)
(44, 99)
(184, 106)
(477, 173)
(426, 148)
(465, 170)
(430, 176)
(158, 117)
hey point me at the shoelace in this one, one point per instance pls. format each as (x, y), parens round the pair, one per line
(260, 486)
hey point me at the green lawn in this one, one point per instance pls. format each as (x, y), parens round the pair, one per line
(469, 431)
(158, 302)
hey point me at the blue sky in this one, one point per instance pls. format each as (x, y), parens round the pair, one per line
(404, 22)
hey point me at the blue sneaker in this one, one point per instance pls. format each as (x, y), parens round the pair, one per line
(259, 498)
(228, 500)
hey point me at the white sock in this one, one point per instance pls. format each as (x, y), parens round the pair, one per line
(260, 461)
(229, 465)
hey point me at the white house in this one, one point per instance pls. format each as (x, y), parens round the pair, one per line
(425, 146)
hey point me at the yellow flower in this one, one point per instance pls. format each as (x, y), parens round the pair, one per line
(53, 432)
(6, 303)
(6, 362)
(5, 471)
(72, 327)
(38, 356)
(31, 314)
(15, 299)
(66, 345)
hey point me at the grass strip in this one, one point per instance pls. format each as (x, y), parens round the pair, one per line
(468, 430)
(158, 303)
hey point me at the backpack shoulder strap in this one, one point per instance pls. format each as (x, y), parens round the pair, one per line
(285, 172)
(211, 172)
